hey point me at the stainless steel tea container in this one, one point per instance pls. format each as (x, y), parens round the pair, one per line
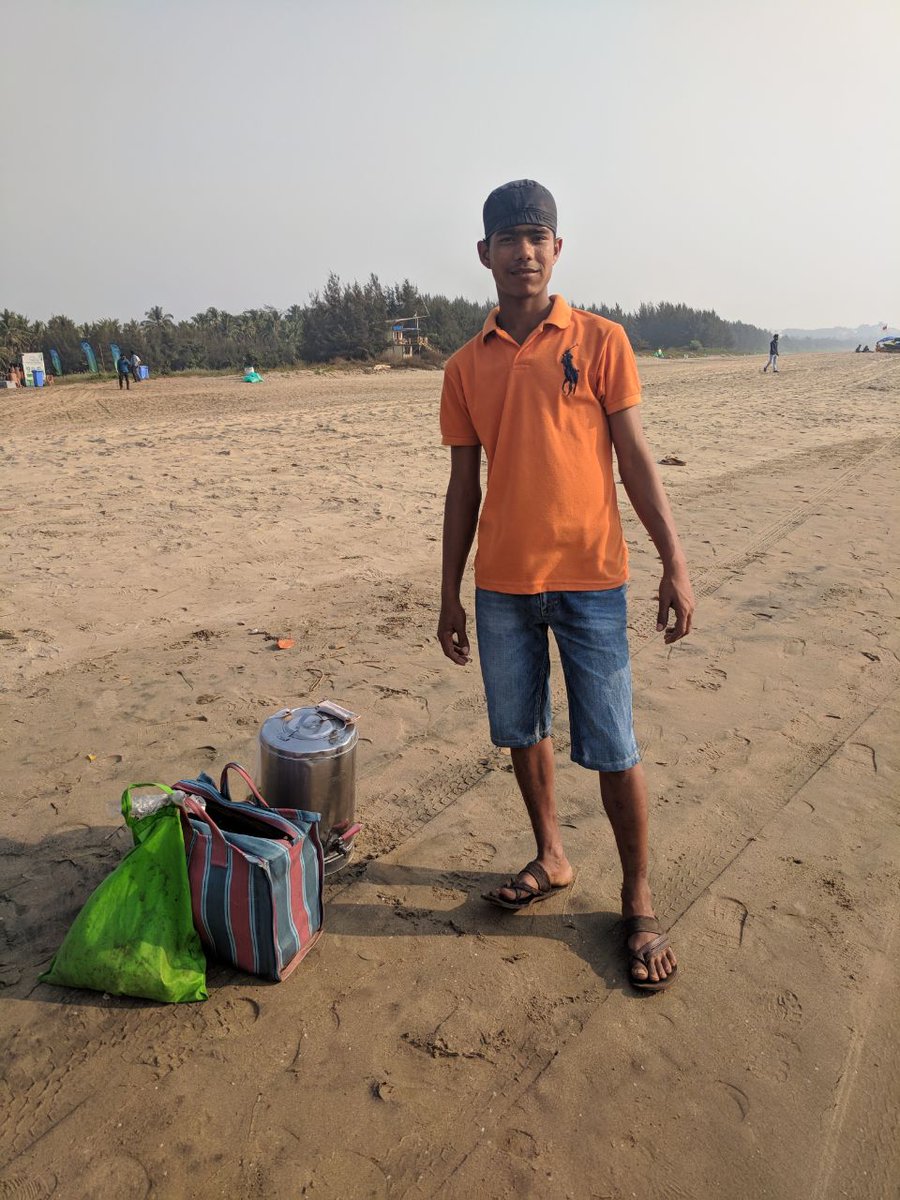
(307, 759)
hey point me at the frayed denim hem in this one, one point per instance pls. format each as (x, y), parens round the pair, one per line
(624, 764)
(532, 741)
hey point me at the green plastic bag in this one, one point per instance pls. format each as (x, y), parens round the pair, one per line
(135, 936)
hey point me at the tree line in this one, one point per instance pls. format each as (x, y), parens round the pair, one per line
(349, 321)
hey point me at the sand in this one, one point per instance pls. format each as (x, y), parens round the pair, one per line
(430, 1046)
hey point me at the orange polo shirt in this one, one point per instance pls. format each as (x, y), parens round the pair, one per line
(550, 520)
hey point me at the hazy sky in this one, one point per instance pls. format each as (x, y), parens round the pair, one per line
(732, 154)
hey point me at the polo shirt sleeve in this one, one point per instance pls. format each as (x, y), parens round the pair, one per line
(619, 384)
(456, 423)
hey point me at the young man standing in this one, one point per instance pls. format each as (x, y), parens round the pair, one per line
(548, 392)
(123, 370)
(773, 355)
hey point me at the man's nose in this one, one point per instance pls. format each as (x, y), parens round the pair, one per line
(525, 250)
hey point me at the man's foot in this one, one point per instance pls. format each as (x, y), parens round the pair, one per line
(655, 962)
(536, 881)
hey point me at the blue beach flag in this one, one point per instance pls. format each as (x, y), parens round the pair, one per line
(115, 352)
(89, 355)
(57, 365)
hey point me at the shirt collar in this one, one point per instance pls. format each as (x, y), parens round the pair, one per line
(560, 315)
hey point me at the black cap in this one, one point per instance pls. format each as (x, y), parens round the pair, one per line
(521, 202)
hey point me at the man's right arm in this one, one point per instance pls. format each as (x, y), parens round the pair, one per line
(460, 521)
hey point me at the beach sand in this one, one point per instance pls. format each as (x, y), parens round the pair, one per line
(431, 1046)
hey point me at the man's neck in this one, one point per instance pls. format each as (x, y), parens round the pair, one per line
(519, 318)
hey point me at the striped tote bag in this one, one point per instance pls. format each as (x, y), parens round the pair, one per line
(256, 878)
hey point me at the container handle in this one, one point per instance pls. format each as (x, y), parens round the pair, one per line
(345, 831)
(330, 709)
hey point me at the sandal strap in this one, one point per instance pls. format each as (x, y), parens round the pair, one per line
(537, 871)
(519, 885)
(647, 952)
(640, 925)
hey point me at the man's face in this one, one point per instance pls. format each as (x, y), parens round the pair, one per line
(521, 259)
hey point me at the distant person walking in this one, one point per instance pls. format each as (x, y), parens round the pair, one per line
(135, 363)
(123, 369)
(773, 356)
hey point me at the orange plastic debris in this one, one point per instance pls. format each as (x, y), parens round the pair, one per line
(285, 643)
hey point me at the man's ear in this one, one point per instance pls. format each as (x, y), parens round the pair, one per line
(557, 249)
(484, 253)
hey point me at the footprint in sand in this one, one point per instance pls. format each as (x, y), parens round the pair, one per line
(775, 1062)
(726, 922)
(520, 1143)
(794, 645)
(232, 1017)
(788, 1007)
(344, 1173)
(114, 1175)
(28, 1187)
(476, 853)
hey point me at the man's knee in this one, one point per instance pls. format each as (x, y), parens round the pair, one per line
(621, 776)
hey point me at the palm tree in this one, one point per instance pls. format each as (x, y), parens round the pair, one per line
(155, 318)
(15, 332)
(206, 320)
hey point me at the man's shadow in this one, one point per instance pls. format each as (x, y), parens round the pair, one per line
(595, 937)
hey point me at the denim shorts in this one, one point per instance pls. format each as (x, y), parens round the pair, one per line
(590, 631)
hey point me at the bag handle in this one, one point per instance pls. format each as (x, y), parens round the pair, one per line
(219, 845)
(223, 785)
(262, 813)
(126, 796)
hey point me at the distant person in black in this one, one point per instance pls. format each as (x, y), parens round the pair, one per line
(773, 356)
(858, 348)
(123, 367)
(866, 350)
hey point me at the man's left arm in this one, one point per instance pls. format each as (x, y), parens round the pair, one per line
(648, 499)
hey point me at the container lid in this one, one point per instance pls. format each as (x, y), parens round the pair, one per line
(302, 731)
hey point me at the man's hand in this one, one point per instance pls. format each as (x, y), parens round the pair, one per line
(451, 633)
(675, 592)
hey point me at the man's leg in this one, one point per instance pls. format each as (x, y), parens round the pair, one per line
(515, 664)
(624, 795)
(591, 632)
(533, 767)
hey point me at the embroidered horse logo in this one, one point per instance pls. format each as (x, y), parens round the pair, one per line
(570, 372)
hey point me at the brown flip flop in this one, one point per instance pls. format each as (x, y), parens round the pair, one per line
(526, 895)
(633, 925)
